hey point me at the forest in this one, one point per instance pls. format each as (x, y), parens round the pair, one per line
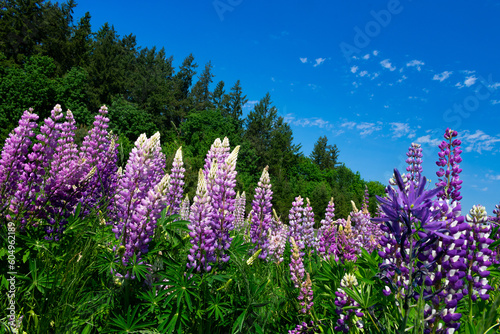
(47, 58)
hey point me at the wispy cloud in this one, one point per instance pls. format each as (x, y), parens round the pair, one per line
(479, 141)
(401, 129)
(375, 53)
(319, 61)
(415, 63)
(495, 102)
(442, 76)
(349, 125)
(428, 140)
(366, 56)
(303, 60)
(387, 64)
(494, 177)
(250, 104)
(469, 81)
(307, 122)
(354, 69)
(368, 128)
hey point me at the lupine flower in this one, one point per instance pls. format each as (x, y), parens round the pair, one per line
(478, 254)
(301, 220)
(220, 185)
(14, 155)
(327, 243)
(134, 187)
(278, 235)
(366, 200)
(239, 211)
(201, 254)
(176, 188)
(261, 214)
(305, 328)
(414, 162)
(348, 243)
(297, 276)
(449, 160)
(296, 230)
(184, 211)
(342, 301)
(368, 233)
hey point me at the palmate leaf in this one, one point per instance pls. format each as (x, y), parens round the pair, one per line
(130, 323)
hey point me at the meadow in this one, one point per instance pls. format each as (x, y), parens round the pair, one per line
(91, 247)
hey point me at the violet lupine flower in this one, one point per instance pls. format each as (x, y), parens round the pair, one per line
(14, 155)
(308, 225)
(406, 209)
(239, 211)
(478, 254)
(219, 151)
(296, 229)
(346, 317)
(220, 185)
(305, 328)
(202, 251)
(184, 211)
(297, 273)
(327, 243)
(33, 170)
(99, 150)
(176, 189)
(278, 235)
(366, 200)
(414, 162)
(261, 214)
(367, 232)
(449, 159)
(347, 242)
(134, 186)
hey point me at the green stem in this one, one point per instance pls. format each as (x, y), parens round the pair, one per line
(410, 284)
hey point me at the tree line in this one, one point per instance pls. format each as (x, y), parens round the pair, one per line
(46, 57)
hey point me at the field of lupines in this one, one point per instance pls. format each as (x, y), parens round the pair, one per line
(88, 247)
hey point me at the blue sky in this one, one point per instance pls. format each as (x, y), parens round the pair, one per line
(373, 76)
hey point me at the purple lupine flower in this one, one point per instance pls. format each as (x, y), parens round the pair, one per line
(134, 186)
(414, 162)
(366, 199)
(261, 214)
(346, 317)
(296, 229)
(219, 151)
(184, 211)
(220, 185)
(33, 170)
(297, 273)
(308, 225)
(367, 232)
(449, 160)
(305, 328)
(176, 189)
(201, 255)
(347, 242)
(239, 211)
(99, 150)
(327, 244)
(14, 155)
(278, 235)
(478, 253)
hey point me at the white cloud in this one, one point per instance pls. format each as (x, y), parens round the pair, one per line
(273, 80)
(319, 61)
(375, 53)
(469, 81)
(427, 140)
(386, 106)
(387, 64)
(442, 76)
(494, 85)
(479, 141)
(363, 73)
(484, 189)
(404, 77)
(459, 85)
(250, 104)
(495, 102)
(493, 177)
(366, 56)
(368, 128)
(415, 63)
(313, 86)
(349, 125)
(303, 60)
(354, 69)
(401, 129)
